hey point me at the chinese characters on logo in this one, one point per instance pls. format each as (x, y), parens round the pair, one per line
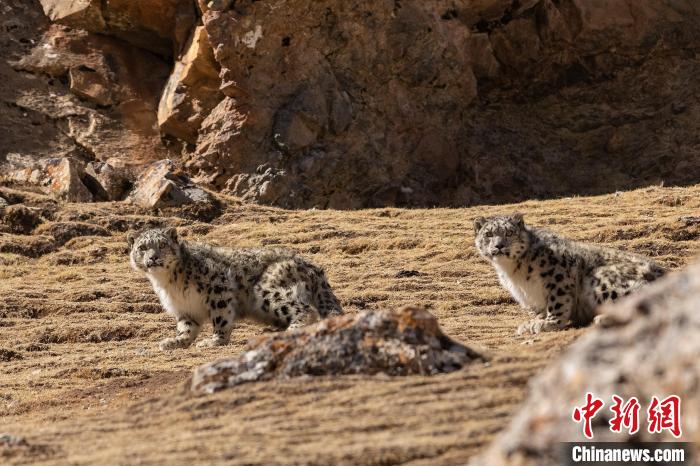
(661, 415)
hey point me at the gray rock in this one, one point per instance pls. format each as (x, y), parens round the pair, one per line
(403, 342)
(12, 440)
(162, 185)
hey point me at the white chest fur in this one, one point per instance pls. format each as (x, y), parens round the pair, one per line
(178, 301)
(529, 293)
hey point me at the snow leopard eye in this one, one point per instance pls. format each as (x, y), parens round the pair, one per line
(143, 247)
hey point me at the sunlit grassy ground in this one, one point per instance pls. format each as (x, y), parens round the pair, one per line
(82, 379)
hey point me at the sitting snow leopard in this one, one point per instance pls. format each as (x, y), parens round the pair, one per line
(559, 281)
(197, 283)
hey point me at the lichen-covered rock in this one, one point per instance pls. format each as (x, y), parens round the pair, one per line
(61, 178)
(648, 347)
(403, 342)
(192, 89)
(161, 184)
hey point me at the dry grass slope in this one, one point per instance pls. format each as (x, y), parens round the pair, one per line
(83, 381)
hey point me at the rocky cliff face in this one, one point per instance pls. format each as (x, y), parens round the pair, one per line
(353, 104)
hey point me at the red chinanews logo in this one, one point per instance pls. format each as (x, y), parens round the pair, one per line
(661, 415)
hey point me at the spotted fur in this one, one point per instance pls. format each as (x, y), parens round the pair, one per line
(559, 281)
(197, 283)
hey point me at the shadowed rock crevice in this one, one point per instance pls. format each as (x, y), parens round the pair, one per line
(403, 342)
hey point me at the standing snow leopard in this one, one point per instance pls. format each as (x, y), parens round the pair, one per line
(561, 282)
(197, 283)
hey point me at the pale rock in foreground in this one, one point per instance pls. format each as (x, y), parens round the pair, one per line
(403, 342)
(649, 346)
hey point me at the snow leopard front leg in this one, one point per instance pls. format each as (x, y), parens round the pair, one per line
(558, 308)
(222, 317)
(187, 331)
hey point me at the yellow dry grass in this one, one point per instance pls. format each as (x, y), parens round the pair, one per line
(83, 381)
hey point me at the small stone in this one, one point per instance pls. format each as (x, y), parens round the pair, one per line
(10, 440)
(407, 273)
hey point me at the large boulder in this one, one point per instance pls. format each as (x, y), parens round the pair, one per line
(106, 182)
(403, 342)
(161, 26)
(648, 347)
(162, 184)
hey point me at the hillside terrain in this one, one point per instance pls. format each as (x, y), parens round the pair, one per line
(83, 382)
(345, 105)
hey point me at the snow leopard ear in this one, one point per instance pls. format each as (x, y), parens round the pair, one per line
(131, 237)
(518, 219)
(479, 222)
(171, 233)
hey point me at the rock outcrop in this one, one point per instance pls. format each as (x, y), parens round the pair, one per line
(120, 85)
(61, 178)
(192, 90)
(403, 342)
(649, 348)
(448, 103)
(330, 104)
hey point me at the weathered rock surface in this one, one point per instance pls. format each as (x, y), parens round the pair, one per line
(161, 184)
(95, 96)
(420, 103)
(192, 89)
(62, 178)
(403, 342)
(310, 103)
(161, 26)
(650, 348)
